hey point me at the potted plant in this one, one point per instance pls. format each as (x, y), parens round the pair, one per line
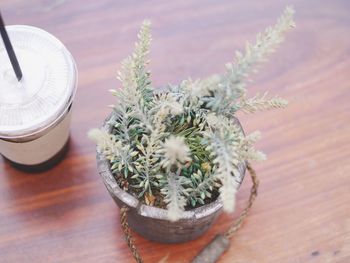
(176, 158)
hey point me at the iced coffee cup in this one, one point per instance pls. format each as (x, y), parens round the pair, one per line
(35, 112)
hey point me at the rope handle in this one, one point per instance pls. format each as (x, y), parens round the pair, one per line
(128, 236)
(212, 252)
(253, 194)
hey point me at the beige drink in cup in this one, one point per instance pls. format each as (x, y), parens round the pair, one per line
(35, 112)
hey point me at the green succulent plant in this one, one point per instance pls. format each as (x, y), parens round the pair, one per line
(182, 147)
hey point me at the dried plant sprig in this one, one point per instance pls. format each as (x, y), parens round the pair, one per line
(223, 139)
(259, 103)
(136, 93)
(231, 86)
(174, 195)
(247, 150)
(139, 62)
(117, 153)
(175, 152)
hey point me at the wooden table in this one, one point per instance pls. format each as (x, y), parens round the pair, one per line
(302, 213)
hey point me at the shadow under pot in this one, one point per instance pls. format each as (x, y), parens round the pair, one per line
(152, 222)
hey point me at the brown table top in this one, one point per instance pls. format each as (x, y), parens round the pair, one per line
(302, 213)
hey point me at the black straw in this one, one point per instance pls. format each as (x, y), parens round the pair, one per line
(10, 51)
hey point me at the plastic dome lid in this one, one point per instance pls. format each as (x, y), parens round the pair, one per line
(47, 88)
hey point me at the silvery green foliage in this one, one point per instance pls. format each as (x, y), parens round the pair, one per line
(223, 93)
(115, 151)
(184, 143)
(223, 139)
(200, 187)
(174, 193)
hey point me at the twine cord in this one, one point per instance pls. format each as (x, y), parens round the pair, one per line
(228, 234)
(253, 194)
(128, 235)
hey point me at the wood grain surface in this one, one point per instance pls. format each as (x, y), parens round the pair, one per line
(302, 213)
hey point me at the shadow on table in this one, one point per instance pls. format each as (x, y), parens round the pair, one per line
(50, 194)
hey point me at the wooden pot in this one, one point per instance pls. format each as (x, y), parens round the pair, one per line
(152, 222)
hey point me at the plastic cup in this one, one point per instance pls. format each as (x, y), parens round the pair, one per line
(35, 113)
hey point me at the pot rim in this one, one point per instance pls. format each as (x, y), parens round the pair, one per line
(111, 184)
